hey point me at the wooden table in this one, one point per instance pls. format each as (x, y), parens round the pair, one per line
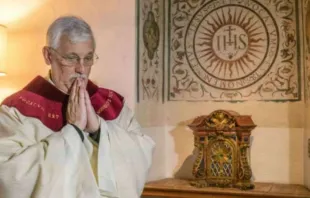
(177, 188)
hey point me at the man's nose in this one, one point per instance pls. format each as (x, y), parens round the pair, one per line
(80, 68)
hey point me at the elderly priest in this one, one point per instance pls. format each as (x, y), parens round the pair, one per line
(62, 136)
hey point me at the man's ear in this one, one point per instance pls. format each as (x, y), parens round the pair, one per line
(47, 55)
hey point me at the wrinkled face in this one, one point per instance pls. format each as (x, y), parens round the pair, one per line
(68, 62)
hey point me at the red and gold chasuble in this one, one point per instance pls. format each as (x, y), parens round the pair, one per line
(42, 100)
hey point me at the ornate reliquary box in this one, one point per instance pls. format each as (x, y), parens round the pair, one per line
(222, 140)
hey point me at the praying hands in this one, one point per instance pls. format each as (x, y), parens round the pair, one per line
(80, 111)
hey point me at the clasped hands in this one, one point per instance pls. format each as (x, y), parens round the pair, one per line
(80, 111)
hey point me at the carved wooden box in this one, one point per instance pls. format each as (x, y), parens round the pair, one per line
(222, 140)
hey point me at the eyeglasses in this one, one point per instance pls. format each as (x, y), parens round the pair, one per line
(73, 60)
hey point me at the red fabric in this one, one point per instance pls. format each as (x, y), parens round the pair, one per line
(41, 100)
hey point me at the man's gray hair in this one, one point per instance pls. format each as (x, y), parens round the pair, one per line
(74, 27)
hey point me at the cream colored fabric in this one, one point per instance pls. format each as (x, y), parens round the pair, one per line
(94, 159)
(37, 162)
(125, 156)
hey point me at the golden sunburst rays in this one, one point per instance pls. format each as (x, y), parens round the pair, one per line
(221, 153)
(230, 42)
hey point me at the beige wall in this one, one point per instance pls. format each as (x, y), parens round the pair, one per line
(276, 153)
(277, 142)
(264, 114)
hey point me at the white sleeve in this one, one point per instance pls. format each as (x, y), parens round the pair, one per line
(36, 162)
(128, 151)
